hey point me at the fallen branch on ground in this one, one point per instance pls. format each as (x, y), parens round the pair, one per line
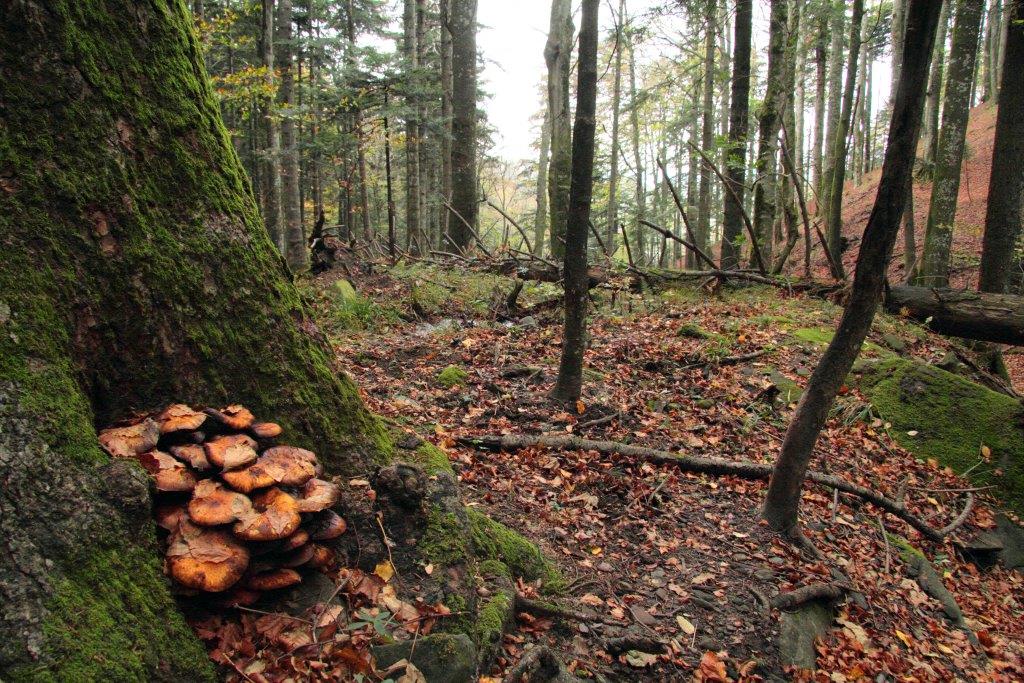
(708, 465)
(815, 591)
(547, 609)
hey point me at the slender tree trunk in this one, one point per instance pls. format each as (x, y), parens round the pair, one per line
(769, 121)
(295, 238)
(821, 80)
(138, 274)
(839, 144)
(938, 240)
(1003, 217)
(930, 133)
(446, 118)
(787, 195)
(707, 141)
(272, 151)
(782, 504)
(613, 176)
(423, 142)
(835, 85)
(569, 384)
(413, 218)
(558, 57)
(389, 183)
(540, 219)
(464, 106)
(732, 225)
(357, 127)
(640, 192)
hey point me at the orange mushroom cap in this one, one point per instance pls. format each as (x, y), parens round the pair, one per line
(167, 473)
(230, 452)
(275, 515)
(299, 556)
(326, 525)
(318, 495)
(193, 454)
(233, 417)
(169, 515)
(213, 503)
(273, 580)
(130, 441)
(180, 417)
(322, 558)
(266, 430)
(206, 559)
(284, 465)
(296, 540)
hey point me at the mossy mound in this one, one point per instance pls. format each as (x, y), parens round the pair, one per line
(452, 376)
(951, 419)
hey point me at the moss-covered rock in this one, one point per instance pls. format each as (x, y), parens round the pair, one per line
(939, 415)
(452, 376)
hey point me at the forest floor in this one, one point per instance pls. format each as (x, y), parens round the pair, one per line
(678, 557)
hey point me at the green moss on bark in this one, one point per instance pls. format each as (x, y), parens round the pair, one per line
(494, 541)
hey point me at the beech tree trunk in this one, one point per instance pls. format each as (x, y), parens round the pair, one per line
(739, 112)
(570, 369)
(769, 120)
(938, 239)
(981, 316)
(782, 504)
(557, 55)
(294, 235)
(930, 132)
(839, 144)
(1003, 217)
(136, 273)
(464, 79)
(540, 219)
(837, 22)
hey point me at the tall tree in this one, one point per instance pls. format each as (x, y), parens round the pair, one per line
(446, 116)
(613, 174)
(956, 107)
(840, 147)
(820, 83)
(933, 103)
(707, 139)
(294, 234)
(540, 218)
(1003, 217)
(410, 53)
(837, 22)
(570, 370)
(782, 503)
(558, 57)
(464, 105)
(138, 274)
(640, 191)
(739, 113)
(769, 120)
(357, 125)
(272, 149)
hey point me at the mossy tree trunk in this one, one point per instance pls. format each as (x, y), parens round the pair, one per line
(557, 56)
(465, 198)
(136, 272)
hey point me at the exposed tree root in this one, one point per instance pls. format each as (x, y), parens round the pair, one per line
(538, 664)
(815, 591)
(718, 466)
(547, 609)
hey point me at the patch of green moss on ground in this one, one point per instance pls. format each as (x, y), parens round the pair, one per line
(952, 418)
(452, 376)
(823, 336)
(111, 619)
(493, 540)
(692, 330)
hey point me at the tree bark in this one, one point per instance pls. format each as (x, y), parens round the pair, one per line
(640, 192)
(613, 174)
(294, 235)
(136, 273)
(272, 150)
(821, 80)
(570, 369)
(938, 239)
(769, 120)
(839, 144)
(991, 317)
(781, 506)
(837, 22)
(410, 53)
(707, 140)
(930, 133)
(558, 57)
(739, 112)
(464, 105)
(540, 218)
(446, 116)
(1003, 217)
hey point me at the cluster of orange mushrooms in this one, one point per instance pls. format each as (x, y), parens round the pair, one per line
(242, 514)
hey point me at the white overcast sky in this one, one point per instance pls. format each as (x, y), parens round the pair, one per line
(511, 42)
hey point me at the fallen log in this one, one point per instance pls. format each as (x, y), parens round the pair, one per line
(995, 318)
(706, 465)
